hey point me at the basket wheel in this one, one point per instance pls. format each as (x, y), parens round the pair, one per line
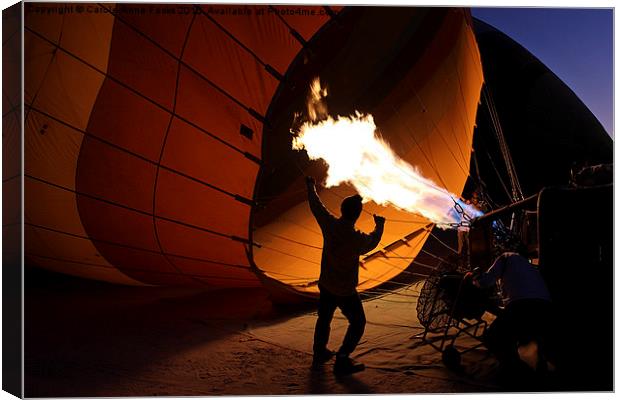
(451, 358)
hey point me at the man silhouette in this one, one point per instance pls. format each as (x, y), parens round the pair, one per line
(342, 247)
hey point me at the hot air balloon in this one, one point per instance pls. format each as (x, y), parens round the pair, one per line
(158, 139)
(158, 145)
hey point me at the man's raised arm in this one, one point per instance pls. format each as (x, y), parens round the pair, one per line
(316, 206)
(375, 236)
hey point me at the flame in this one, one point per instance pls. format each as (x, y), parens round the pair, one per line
(356, 154)
(317, 108)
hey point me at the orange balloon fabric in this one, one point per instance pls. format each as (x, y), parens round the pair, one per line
(153, 133)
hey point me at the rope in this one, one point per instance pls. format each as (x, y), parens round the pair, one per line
(517, 193)
(394, 292)
(434, 256)
(481, 185)
(501, 181)
(442, 243)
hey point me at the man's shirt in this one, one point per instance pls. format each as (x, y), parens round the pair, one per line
(342, 247)
(518, 279)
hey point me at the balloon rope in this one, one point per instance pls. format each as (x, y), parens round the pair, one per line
(499, 176)
(443, 243)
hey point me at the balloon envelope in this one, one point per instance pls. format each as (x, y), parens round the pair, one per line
(157, 145)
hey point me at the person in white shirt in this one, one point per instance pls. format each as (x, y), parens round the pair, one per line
(342, 247)
(526, 318)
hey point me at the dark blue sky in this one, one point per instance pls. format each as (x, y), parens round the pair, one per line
(576, 44)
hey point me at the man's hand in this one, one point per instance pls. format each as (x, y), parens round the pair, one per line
(379, 220)
(472, 276)
(310, 182)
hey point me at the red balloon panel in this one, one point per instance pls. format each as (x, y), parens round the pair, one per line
(212, 111)
(113, 175)
(212, 271)
(185, 200)
(306, 26)
(217, 56)
(194, 153)
(190, 242)
(143, 66)
(264, 33)
(168, 30)
(136, 261)
(116, 224)
(114, 118)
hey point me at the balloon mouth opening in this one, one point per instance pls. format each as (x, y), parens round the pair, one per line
(290, 242)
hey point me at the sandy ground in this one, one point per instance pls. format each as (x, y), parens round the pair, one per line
(93, 339)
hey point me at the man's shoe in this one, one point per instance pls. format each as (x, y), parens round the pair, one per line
(321, 357)
(346, 366)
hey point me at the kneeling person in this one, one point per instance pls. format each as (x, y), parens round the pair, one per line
(525, 320)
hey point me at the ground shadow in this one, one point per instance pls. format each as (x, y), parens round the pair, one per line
(82, 336)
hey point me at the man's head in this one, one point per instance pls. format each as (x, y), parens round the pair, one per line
(351, 208)
(516, 245)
